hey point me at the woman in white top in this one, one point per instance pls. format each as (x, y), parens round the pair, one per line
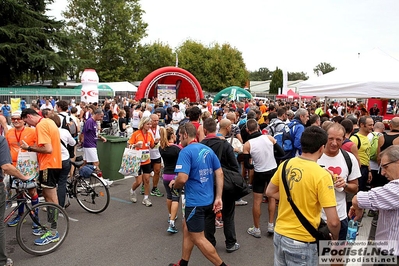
(136, 117)
(66, 139)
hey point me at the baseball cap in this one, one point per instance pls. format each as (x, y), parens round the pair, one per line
(16, 113)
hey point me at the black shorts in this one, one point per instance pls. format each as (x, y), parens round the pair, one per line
(48, 178)
(145, 169)
(154, 161)
(261, 179)
(195, 217)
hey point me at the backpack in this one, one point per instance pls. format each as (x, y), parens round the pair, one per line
(348, 161)
(358, 141)
(70, 126)
(106, 118)
(272, 128)
(374, 146)
(284, 140)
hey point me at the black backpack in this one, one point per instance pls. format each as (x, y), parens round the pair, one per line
(69, 127)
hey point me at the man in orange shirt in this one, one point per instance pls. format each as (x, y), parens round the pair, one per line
(262, 107)
(48, 148)
(14, 138)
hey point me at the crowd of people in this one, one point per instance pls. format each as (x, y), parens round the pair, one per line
(339, 161)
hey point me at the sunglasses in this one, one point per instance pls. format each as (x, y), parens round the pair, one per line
(16, 119)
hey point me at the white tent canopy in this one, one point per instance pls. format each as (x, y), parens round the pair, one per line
(373, 74)
(123, 86)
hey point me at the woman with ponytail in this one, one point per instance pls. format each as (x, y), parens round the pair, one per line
(169, 153)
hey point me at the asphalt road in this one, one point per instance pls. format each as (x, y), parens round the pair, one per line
(132, 234)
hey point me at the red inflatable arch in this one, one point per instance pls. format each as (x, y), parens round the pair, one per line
(186, 84)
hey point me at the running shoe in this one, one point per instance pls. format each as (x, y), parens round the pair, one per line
(241, 202)
(172, 229)
(9, 262)
(270, 228)
(169, 218)
(156, 192)
(255, 232)
(174, 264)
(47, 238)
(235, 247)
(142, 190)
(133, 196)
(15, 221)
(38, 231)
(147, 202)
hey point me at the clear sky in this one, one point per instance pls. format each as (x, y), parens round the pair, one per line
(291, 34)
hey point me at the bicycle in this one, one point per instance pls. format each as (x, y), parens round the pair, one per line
(38, 221)
(91, 192)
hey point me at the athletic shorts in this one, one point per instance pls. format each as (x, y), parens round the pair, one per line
(145, 169)
(195, 217)
(90, 155)
(261, 179)
(154, 161)
(48, 178)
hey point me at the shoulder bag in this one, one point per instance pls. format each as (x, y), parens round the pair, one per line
(234, 184)
(322, 233)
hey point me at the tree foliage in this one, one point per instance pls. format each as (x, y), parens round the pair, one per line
(154, 56)
(292, 76)
(31, 43)
(216, 67)
(107, 36)
(261, 75)
(324, 68)
(277, 81)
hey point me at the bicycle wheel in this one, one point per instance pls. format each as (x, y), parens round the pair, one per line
(91, 194)
(44, 230)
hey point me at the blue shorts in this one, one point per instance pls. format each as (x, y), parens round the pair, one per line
(195, 217)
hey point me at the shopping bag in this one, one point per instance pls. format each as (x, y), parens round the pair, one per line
(27, 164)
(131, 161)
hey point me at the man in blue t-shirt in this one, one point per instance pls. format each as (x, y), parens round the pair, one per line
(6, 112)
(196, 167)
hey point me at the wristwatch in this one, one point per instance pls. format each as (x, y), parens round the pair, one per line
(29, 148)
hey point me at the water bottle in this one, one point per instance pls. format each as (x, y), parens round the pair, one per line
(352, 231)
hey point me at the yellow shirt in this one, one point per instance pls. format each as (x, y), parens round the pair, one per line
(364, 150)
(311, 189)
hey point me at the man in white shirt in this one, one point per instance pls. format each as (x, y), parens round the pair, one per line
(177, 116)
(345, 180)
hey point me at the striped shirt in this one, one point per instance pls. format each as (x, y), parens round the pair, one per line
(386, 200)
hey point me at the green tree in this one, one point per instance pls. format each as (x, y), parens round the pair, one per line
(31, 43)
(260, 75)
(277, 81)
(216, 67)
(324, 68)
(154, 56)
(292, 76)
(107, 36)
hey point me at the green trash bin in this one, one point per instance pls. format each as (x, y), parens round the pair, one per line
(110, 156)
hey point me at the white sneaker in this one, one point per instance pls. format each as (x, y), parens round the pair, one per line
(255, 232)
(109, 182)
(241, 202)
(270, 228)
(133, 197)
(147, 202)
